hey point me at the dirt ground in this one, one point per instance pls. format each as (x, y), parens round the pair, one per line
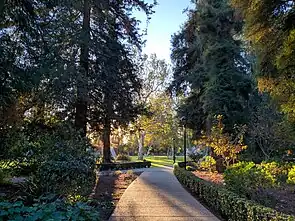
(281, 199)
(109, 190)
(211, 177)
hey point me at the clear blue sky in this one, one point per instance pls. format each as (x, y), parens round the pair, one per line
(166, 20)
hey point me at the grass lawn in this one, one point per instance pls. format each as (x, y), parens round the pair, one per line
(159, 161)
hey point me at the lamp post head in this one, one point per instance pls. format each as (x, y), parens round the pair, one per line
(183, 120)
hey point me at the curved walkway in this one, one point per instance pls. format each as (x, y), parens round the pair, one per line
(157, 195)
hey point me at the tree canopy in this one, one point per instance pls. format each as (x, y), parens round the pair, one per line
(210, 67)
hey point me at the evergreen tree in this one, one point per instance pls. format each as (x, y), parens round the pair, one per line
(210, 67)
(270, 29)
(63, 58)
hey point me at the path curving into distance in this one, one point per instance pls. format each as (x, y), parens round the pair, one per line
(156, 195)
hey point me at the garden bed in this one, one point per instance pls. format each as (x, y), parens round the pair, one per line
(230, 205)
(216, 178)
(109, 190)
(281, 199)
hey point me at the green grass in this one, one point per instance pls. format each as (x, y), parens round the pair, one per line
(159, 161)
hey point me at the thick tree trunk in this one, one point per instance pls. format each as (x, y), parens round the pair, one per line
(107, 129)
(82, 78)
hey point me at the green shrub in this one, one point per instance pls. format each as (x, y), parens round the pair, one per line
(190, 168)
(244, 177)
(208, 163)
(278, 171)
(57, 210)
(74, 176)
(130, 172)
(228, 204)
(67, 169)
(123, 157)
(117, 173)
(291, 176)
(4, 176)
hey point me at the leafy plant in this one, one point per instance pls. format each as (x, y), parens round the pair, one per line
(246, 177)
(291, 176)
(57, 210)
(65, 167)
(208, 163)
(123, 157)
(117, 173)
(130, 172)
(189, 168)
(3, 177)
(278, 171)
(225, 145)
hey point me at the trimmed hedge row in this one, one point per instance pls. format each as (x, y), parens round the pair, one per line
(123, 166)
(228, 204)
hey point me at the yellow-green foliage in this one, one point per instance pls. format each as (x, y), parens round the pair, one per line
(130, 172)
(189, 168)
(208, 163)
(225, 145)
(123, 157)
(244, 177)
(291, 176)
(278, 171)
(117, 172)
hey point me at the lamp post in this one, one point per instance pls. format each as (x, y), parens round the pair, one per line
(183, 119)
(184, 145)
(141, 143)
(174, 151)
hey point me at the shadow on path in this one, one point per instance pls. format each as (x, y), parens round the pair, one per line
(157, 195)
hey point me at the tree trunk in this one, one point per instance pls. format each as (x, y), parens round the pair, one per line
(107, 142)
(141, 145)
(82, 78)
(107, 129)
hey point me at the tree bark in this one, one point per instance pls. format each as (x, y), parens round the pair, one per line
(107, 141)
(82, 78)
(107, 130)
(141, 144)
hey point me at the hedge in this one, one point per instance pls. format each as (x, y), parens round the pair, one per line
(228, 204)
(123, 166)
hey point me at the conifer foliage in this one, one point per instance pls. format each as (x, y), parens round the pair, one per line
(270, 29)
(71, 60)
(210, 67)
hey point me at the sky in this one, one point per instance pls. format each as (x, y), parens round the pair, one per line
(166, 21)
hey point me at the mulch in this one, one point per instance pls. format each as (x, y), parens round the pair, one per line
(216, 178)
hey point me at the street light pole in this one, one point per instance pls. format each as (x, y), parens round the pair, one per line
(184, 145)
(174, 151)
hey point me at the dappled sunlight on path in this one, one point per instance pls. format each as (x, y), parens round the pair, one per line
(157, 195)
